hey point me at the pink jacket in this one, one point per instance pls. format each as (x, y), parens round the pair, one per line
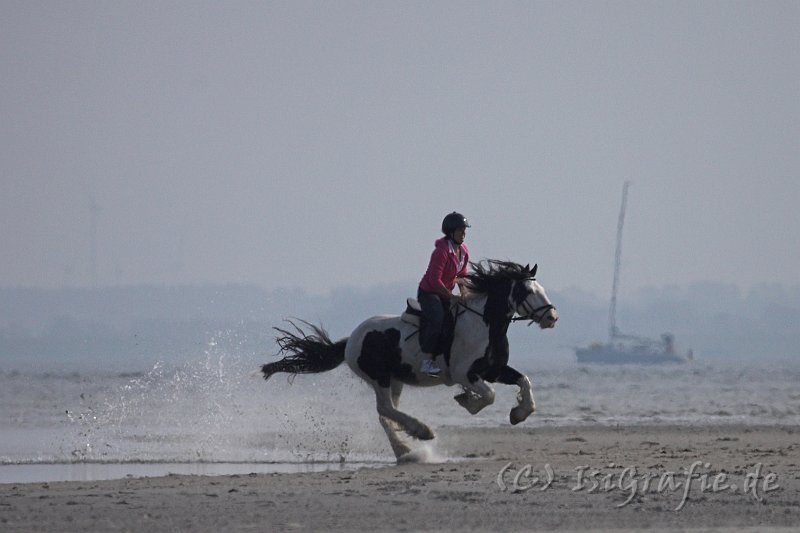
(444, 267)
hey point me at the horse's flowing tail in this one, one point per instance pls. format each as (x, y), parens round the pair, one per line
(305, 353)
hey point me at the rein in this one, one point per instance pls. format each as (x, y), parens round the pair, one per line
(468, 308)
(531, 313)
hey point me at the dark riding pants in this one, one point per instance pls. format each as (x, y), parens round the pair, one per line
(433, 310)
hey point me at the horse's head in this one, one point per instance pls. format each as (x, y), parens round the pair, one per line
(511, 289)
(530, 302)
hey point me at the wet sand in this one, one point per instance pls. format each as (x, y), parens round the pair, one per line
(507, 479)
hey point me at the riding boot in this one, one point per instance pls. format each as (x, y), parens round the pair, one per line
(429, 367)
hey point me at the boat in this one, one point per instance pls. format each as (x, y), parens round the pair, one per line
(622, 348)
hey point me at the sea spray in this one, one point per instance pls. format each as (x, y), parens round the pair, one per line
(211, 410)
(189, 412)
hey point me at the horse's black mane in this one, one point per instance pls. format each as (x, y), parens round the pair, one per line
(495, 279)
(490, 274)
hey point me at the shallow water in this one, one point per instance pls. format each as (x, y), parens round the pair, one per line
(212, 416)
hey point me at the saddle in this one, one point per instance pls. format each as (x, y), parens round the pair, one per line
(413, 313)
(413, 316)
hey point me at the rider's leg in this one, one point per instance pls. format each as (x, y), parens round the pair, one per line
(433, 316)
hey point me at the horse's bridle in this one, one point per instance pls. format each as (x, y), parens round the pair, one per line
(534, 315)
(531, 312)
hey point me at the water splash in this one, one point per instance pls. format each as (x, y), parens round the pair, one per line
(425, 453)
(211, 410)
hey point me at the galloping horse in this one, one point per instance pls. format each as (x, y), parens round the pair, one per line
(384, 351)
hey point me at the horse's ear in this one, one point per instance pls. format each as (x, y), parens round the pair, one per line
(533, 272)
(527, 268)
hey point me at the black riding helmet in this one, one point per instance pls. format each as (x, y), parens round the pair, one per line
(454, 221)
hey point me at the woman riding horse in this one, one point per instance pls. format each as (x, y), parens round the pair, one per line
(384, 350)
(448, 266)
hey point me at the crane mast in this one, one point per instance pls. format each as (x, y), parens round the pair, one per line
(612, 311)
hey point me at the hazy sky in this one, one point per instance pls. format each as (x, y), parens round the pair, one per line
(320, 144)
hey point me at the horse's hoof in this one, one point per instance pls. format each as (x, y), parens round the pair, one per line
(468, 402)
(462, 399)
(425, 434)
(518, 414)
(407, 458)
(403, 455)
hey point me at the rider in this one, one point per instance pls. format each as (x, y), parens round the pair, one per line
(447, 266)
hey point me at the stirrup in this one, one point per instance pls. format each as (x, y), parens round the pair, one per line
(430, 368)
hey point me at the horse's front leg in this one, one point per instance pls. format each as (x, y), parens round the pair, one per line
(525, 402)
(476, 396)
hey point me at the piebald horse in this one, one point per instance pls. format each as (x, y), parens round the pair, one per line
(384, 351)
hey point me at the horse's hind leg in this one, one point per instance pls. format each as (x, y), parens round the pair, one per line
(399, 447)
(397, 389)
(411, 425)
(525, 402)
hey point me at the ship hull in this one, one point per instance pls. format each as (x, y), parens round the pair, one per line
(614, 356)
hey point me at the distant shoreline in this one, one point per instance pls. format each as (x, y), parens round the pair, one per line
(132, 325)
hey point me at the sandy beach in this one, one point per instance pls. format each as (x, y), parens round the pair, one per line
(507, 478)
